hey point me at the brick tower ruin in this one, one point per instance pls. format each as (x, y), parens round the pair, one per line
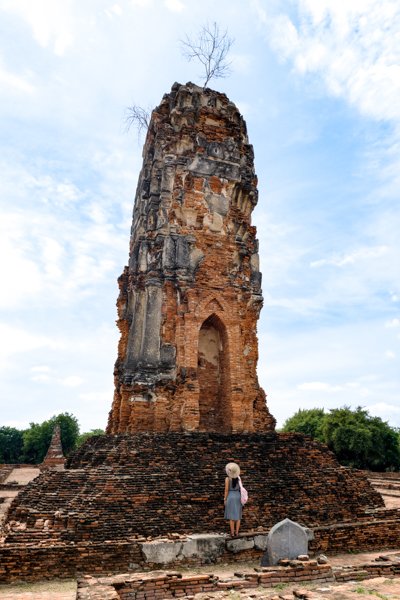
(191, 296)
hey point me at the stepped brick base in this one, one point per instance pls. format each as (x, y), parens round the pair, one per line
(117, 490)
(153, 484)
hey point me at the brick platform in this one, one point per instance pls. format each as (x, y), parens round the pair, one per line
(152, 484)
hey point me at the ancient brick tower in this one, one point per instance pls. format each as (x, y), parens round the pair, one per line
(191, 296)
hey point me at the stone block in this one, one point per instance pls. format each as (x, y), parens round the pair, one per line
(286, 539)
(161, 553)
(239, 544)
(260, 542)
(206, 546)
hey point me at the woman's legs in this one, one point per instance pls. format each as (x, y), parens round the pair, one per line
(237, 527)
(232, 526)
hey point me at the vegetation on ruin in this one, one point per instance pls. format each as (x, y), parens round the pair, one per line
(210, 48)
(31, 445)
(358, 439)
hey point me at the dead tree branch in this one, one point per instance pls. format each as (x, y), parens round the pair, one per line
(138, 117)
(210, 48)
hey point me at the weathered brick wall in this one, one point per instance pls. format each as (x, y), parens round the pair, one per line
(151, 484)
(33, 562)
(193, 268)
(380, 530)
(54, 560)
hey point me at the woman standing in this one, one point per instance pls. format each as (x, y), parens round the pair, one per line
(233, 505)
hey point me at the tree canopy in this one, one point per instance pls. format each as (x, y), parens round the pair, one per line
(38, 437)
(31, 445)
(358, 439)
(307, 421)
(11, 443)
(88, 434)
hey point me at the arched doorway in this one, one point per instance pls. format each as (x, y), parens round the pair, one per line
(213, 376)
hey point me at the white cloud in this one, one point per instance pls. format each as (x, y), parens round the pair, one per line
(16, 340)
(319, 386)
(95, 397)
(174, 5)
(353, 257)
(40, 369)
(352, 46)
(383, 408)
(240, 63)
(64, 241)
(390, 354)
(15, 82)
(72, 381)
(40, 378)
(141, 3)
(115, 9)
(50, 21)
(394, 323)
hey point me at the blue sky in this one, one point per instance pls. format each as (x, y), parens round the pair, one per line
(318, 82)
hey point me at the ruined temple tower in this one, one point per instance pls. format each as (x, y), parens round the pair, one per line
(191, 296)
(187, 399)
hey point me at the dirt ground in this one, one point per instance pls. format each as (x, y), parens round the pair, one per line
(48, 590)
(382, 588)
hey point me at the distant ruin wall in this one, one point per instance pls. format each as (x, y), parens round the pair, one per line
(191, 295)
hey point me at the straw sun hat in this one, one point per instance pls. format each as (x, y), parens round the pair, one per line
(232, 470)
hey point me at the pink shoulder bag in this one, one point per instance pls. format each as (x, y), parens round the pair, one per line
(243, 493)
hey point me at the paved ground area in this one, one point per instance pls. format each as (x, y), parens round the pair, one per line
(22, 476)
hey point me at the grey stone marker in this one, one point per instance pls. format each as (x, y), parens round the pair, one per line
(286, 539)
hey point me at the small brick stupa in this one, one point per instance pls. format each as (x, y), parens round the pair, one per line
(191, 296)
(54, 459)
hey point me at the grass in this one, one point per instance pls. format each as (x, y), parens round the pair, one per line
(362, 590)
(280, 586)
(234, 595)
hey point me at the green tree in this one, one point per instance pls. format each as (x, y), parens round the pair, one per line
(38, 437)
(357, 439)
(11, 443)
(360, 440)
(88, 434)
(308, 421)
